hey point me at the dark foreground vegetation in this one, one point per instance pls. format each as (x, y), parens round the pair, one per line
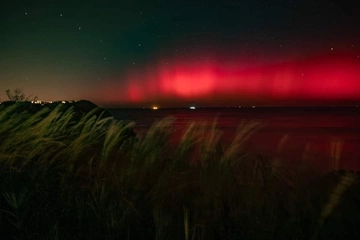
(69, 173)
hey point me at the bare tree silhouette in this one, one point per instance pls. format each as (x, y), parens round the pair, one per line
(17, 95)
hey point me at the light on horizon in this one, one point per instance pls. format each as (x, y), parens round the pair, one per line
(192, 107)
(155, 108)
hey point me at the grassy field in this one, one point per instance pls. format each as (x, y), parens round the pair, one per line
(84, 178)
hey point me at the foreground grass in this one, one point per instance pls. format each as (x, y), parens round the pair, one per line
(62, 178)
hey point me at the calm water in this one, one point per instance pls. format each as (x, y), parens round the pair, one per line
(315, 127)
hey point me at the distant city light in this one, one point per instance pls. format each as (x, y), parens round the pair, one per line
(192, 108)
(49, 102)
(154, 108)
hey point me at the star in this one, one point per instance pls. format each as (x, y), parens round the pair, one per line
(139, 45)
(79, 28)
(26, 13)
(105, 58)
(61, 15)
(331, 49)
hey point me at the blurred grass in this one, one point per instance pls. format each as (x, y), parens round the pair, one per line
(63, 177)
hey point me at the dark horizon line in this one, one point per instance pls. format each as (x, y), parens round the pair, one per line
(247, 104)
(122, 106)
(230, 107)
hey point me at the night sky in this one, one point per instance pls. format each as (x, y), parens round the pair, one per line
(178, 53)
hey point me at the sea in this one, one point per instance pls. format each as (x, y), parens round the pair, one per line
(327, 138)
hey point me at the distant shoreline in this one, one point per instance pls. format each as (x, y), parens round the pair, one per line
(237, 107)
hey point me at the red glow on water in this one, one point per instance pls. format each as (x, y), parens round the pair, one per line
(325, 77)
